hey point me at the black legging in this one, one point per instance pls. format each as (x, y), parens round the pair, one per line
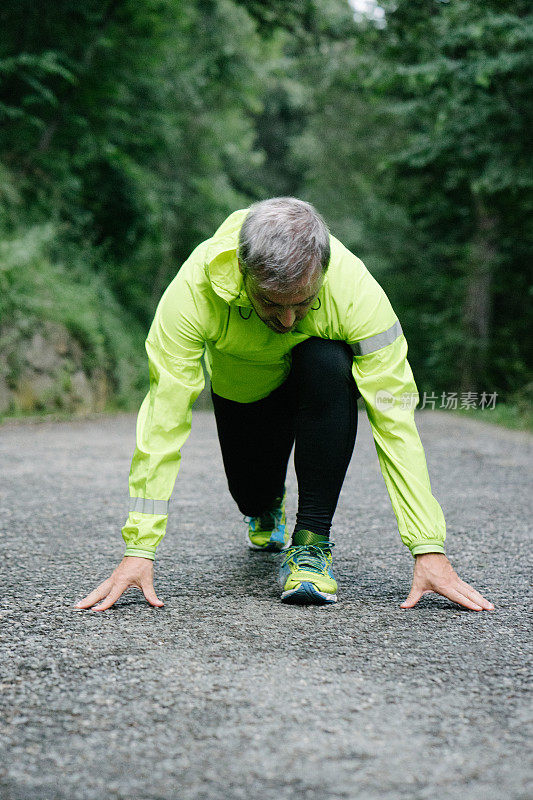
(315, 409)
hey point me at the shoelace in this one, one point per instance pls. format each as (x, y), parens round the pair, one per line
(310, 556)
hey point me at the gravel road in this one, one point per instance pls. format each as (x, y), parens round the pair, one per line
(225, 693)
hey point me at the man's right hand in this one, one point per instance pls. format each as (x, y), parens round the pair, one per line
(131, 572)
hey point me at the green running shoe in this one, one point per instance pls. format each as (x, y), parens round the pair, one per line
(269, 531)
(306, 574)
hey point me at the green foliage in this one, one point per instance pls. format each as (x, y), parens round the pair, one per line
(38, 285)
(419, 147)
(130, 129)
(136, 126)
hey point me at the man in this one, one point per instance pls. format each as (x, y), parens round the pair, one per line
(294, 328)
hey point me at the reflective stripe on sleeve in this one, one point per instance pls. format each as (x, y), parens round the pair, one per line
(373, 343)
(145, 505)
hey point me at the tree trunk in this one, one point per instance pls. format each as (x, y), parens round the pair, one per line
(477, 301)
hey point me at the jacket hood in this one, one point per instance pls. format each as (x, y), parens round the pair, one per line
(221, 263)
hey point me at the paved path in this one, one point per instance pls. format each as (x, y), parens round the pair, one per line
(227, 694)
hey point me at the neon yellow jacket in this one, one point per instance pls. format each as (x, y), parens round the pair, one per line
(199, 313)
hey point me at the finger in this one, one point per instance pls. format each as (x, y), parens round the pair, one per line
(458, 597)
(149, 593)
(474, 595)
(116, 592)
(412, 599)
(98, 593)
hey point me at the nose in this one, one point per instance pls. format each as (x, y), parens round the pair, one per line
(287, 318)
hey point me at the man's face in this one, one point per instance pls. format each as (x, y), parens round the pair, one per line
(282, 310)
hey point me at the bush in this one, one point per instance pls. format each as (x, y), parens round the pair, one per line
(45, 281)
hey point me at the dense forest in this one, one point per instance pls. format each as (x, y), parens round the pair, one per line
(131, 128)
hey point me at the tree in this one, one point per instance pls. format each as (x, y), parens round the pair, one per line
(432, 158)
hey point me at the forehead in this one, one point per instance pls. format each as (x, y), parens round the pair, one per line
(291, 297)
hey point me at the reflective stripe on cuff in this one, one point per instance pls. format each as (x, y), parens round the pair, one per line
(145, 505)
(140, 553)
(427, 547)
(373, 343)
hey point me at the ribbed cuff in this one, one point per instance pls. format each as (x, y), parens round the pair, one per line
(138, 551)
(427, 546)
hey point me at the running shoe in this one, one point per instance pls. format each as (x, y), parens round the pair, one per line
(269, 531)
(306, 574)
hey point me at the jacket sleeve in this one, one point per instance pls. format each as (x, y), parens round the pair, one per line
(175, 346)
(386, 383)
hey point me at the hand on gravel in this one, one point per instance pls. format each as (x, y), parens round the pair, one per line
(434, 573)
(131, 572)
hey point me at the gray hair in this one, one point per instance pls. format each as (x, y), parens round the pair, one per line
(282, 242)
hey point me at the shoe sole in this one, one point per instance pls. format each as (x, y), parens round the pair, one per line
(306, 594)
(268, 548)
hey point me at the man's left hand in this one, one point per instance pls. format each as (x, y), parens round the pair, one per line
(434, 573)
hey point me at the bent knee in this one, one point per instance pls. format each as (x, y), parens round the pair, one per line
(322, 360)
